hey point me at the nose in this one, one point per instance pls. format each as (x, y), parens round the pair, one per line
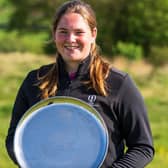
(71, 37)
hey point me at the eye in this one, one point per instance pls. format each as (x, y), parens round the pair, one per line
(63, 32)
(79, 32)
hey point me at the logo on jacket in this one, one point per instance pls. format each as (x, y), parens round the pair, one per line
(91, 99)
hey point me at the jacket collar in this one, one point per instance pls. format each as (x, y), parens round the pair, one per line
(83, 68)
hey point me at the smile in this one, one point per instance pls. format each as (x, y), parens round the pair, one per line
(71, 46)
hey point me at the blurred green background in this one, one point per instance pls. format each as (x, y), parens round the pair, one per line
(132, 34)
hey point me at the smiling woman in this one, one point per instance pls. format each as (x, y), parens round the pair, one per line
(111, 92)
(73, 38)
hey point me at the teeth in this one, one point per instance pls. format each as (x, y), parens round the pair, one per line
(71, 46)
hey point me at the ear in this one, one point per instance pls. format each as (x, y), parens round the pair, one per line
(94, 34)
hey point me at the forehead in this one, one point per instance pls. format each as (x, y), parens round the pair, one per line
(72, 20)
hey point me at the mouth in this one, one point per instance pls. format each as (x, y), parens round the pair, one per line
(71, 47)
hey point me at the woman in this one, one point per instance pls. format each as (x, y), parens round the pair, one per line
(80, 72)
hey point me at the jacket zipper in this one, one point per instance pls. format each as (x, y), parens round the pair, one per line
(68, 90)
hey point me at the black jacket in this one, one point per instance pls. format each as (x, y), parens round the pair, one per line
(123, 111)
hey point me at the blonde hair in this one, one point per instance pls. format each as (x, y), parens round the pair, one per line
(99, 69)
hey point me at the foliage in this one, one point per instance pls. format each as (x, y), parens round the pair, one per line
(143, 23)
(33, 15)
(159, 55)
(6, 11)
(129, 50)
(13, 41)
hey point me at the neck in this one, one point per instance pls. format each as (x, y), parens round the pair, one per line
(71, 68)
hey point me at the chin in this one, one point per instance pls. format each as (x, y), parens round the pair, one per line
(73, 57)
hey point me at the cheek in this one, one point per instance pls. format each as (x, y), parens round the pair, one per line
(58, 38)
(59, 43)
(87, 41)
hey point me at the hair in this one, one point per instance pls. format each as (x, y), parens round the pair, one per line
(99, 69)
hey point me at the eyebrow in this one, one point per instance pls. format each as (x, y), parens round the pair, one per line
(61, 28)
(78, 29)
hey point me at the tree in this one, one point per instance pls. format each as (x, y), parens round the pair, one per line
(142, 22)
(31, 15)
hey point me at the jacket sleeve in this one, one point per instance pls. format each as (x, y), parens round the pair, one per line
(135, 127)
(20, 106)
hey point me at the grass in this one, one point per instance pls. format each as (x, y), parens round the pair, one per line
(152, 81)
(12, 71)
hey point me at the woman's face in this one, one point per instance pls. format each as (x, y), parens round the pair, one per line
(73, 38)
